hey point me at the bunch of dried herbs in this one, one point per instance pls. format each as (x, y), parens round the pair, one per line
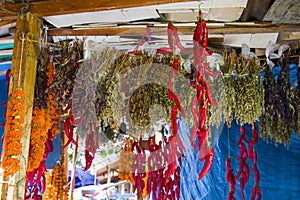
(244, 90)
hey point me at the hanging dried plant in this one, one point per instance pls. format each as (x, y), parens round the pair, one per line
(69, 56)
(244, 90)
(279, 108)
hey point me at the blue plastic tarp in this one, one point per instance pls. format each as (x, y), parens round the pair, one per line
(279, 169)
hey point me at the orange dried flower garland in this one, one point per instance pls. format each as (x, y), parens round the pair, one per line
(52, 112)
(38, 138)
(12, 146)
(56, 184)
(42, 122)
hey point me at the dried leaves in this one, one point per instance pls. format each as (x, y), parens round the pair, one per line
(244, 91)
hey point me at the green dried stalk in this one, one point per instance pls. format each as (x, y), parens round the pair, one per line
(244, 91)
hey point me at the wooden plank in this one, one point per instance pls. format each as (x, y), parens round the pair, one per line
(60, 7)
(184, 30)
(255, 10)
(284, 11)
(25, 23)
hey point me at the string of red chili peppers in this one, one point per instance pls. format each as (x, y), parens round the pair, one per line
(162, 181)
(253, 157)
(203, 99)
(243, 173)
(91, 145)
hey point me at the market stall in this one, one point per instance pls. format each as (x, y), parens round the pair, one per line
(162, 111)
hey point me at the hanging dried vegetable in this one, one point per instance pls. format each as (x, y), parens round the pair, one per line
(12, 146)
(56, 184)
(88, 101)
(40, 99)
(280, 116)
(157, 174)
(70, 55)
(138, 168)
(244, 90)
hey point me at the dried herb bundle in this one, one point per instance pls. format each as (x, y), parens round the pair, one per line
(244, 91)
(216, 113)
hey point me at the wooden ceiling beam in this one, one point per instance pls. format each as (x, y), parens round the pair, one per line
(124, 31)
(60, 7)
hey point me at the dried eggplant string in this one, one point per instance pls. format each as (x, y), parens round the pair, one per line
(281, 108)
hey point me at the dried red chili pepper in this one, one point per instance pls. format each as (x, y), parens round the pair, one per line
(88, 160)
(177, 40)
(73, 119)
(193, 137)
(242, 185)
(205, 34)
(208, 94)
(194, 111)
(170, 37)
(231, 179)
(208, 163)
(164, 50)
(243, 152)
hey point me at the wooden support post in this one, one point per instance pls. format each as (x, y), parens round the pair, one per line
(29, 25)
(73, 177)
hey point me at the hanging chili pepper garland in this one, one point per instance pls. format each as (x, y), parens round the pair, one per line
(138, 170)
(91, 145)
(231, 180)
(203, 98)
(252, 155)
(243, 173)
